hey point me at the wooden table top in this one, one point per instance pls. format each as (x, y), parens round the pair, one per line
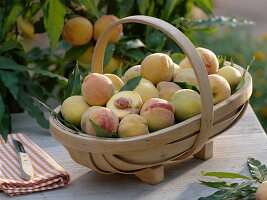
(231, 150)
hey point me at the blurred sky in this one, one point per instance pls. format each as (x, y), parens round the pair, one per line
(255, 10)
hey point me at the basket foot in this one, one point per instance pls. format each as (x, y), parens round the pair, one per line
(152, 175)
(206, 152)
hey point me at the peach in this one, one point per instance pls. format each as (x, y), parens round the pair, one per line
(167, 89)
(102, 23)
(116, 81)
(131, 73)
(26, 27)
(77, 31)
(186, 75)
(72, 109)
(187, 103)
(220, 88)
(97, 89)
(146, 90)
(125, 103)
(209, 58)
(133, 125)
(112, 65)
(261, 193)
(176, 68)
(232, 75)
(101, 116)
(157, 67)
(86, 58)
(159, 113)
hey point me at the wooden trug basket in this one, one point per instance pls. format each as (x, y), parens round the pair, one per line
(146, 155)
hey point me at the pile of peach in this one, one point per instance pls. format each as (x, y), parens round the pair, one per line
(157, 101)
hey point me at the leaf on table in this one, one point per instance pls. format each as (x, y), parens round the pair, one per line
(6, 63)
(101, 132)
(54, 12)
(11, 15)
(26, 102)
(226, 175)
(74, 84)
(257, 169)
(75, 52)
(242, 190)
(219, 185)
(185, 85)
(91, 7)
(131, 84)
(242, 81)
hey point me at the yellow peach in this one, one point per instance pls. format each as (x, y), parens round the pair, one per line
(232, 75)
(159, 113)
(102, 23)
(157, 67)
(131, 73)
(167, 89)
(97, 89)
(125, 103)
(132, 125)
(186, 75)
(146, 90)
(116, 81)
(72, 109)
(77, 31)
(86, 58)
(261, 193)
(112, 65)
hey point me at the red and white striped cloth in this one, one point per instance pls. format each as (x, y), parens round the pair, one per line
(47, 173)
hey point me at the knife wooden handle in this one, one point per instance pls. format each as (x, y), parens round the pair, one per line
(25, 166)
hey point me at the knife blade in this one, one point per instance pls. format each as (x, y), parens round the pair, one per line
(26, 168)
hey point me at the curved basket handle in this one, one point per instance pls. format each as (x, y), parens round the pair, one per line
(198, 66)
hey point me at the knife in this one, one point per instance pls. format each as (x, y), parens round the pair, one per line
(26, 168)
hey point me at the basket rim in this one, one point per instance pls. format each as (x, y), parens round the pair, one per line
(65, 130)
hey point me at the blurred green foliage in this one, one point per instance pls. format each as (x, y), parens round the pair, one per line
(240, 45)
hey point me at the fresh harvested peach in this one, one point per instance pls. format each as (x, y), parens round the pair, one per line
(209, 58)
(97, 89)
(133, 125)
(157, 67)
(131, 73)
(102, 23)
(176, 68)
(112, 65)
(72, 109)
(221, 89)
(167, 89)
(125, 103)
(231, 74)
(186, 75)
(101, 116)
(77, 31)
(116, 81)
(86, 58)
(146, 90)
(187, 103)
(261, 193)
(25, 27)
(159, 113)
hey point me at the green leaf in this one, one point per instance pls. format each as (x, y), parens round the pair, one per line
(219, 185)
(131, 84)
(185, 85)
(101, 132)
(2, 107)
(5, 125)
(125, 7)
(226, 175)
(10, 80)
(221, 60)
(11, 17)
(6, 63)
(90, 5)
(75, 52)
(177, 57)
(74, 84)
(108, 53)
(155, 40)
(242, 190)
(205, 5)
(9, 45)
(54, 12)
(39, 26)
(169, 7)
(242, 81)
(257, 169)
(136, 54)
(143, 6)
(26, 102)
